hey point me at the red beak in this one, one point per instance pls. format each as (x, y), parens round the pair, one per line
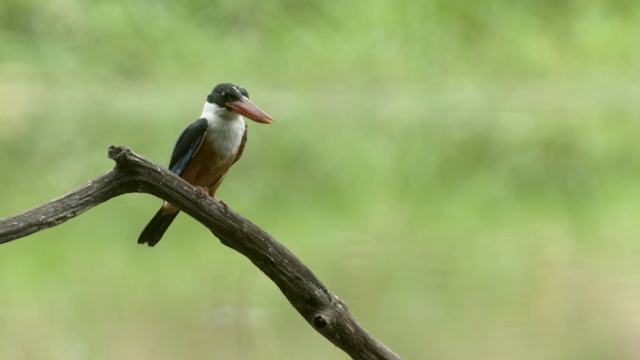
(249, 110)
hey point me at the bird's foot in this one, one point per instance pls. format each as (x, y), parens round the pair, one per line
(203, 191)
(224, 205)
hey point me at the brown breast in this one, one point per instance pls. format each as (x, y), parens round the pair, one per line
(207, 168)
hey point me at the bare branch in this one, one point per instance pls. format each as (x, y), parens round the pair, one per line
(323, 310)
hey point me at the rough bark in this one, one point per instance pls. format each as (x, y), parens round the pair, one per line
(323, 310)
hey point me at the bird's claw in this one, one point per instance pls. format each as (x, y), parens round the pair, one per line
(224, 205)
(203, 191)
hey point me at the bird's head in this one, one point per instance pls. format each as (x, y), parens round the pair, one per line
(234, 98)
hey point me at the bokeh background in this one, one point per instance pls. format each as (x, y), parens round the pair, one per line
(464, 174)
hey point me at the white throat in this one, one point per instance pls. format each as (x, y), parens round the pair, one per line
(212, 111)
(226, 129)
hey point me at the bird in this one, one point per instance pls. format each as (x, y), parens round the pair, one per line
(207, 148)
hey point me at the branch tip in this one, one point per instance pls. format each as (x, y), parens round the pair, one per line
(116, 153)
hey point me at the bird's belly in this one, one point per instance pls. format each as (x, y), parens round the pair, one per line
(208, 167)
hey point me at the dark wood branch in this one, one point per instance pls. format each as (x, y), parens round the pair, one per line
(323, 310)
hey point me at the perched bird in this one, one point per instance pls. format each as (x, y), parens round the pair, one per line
(207, 148)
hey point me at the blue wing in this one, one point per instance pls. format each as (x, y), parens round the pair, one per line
(187, 145)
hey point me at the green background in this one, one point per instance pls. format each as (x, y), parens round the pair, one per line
(464, 174)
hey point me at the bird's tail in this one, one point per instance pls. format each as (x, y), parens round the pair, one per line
(154, 230)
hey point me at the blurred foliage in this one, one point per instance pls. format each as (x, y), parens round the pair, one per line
(465, 175)
(382, 41)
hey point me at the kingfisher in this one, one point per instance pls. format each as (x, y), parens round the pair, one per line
(206, 149)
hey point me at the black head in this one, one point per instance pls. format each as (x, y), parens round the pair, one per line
(226, 93)
(235, 99)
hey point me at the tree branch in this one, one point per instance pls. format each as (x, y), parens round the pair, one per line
(323, 310)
